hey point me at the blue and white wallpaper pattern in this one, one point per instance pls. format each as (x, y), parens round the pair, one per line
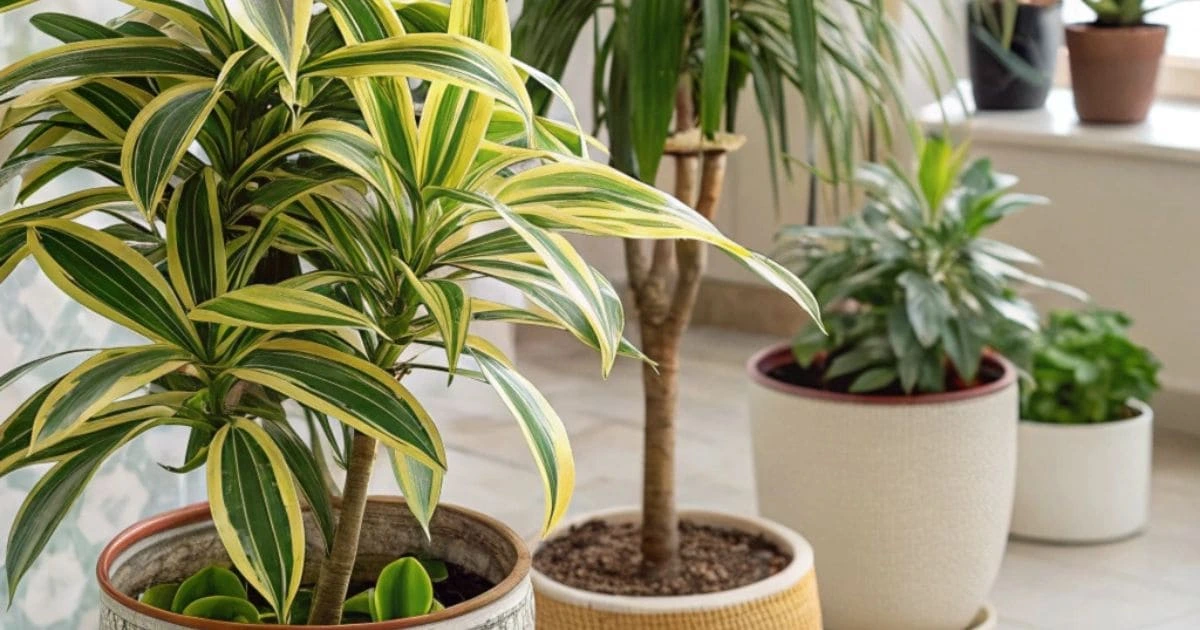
(36, 319)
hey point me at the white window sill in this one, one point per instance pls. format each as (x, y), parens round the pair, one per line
(1170, 133)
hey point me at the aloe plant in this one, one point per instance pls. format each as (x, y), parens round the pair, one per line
(1125, 12)
(284, 227)
(668, 79)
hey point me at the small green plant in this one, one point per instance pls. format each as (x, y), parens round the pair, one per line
(404, 589)
(909, 286)
(1086, 369)
(1125, 12)
(993, 23)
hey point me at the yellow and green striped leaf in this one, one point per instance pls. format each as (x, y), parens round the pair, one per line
(160, 136)
(454, 59)
(97, 382)
(257, 512)
(455, 120)
(68, 206)
(106, 105)
(450, 309)
(273, 307)
(420, 484)
(109, 277)
(350, 389)
(129, 56)
(539, 422)
(278, 26)
(196, 240)
(302, 462)
(200, 24)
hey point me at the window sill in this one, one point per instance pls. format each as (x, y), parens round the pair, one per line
(1170, 133)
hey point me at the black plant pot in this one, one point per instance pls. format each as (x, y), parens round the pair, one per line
(1021, 77)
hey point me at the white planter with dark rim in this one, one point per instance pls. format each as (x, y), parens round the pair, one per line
(785, 601)
(172, 546)
(1084, 483)
(905, 499)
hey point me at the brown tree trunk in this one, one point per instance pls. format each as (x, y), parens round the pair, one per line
(664, 291)
(334, 579)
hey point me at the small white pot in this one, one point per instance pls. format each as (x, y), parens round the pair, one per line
(905, 499)
(785, 601)
(1084, 483)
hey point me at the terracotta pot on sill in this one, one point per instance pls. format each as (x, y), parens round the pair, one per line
(1114, 70)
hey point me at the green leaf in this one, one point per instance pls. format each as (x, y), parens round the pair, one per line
(129, 56)
(44, 508)
(354, 391)
(108, 277)
(273, 307)
(360, 604)
(657, 45)
(96, 383)
(279, 27)
(450, 309)
(25, 368)
(420, 484)
(71, 28)
(715, 71)
(303, 464)
(207, 582)
(540, 424)
(455, 59)
(403, 590)
(160, 595)
(223, 608)
(196, 241)
(257, 512)
(927, 305)
(436, 569)
(873, 379)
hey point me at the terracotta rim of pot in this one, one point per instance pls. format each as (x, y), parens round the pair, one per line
(787, 540)
(1144, 412)
(781, 354)
(1092, 27)
(199, 512)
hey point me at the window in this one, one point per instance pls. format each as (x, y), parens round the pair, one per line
(1180, 74)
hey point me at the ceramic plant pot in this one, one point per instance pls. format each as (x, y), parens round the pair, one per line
(1084, 483)
(784, 601)
(905, 499)
(172, 546)
(998, 83)
(1114, 70)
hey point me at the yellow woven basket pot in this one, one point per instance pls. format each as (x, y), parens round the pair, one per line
(785, 601)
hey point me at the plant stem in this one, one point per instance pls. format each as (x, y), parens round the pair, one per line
(334, 579)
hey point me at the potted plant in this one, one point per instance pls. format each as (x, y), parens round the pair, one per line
(1114, 61)
(284, 229)
(891, 442)
(1086, 432)
(1013, 47)
(689, 61)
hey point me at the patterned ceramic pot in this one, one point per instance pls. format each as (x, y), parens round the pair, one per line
(785, 601)
(905, 499)
(171, 546)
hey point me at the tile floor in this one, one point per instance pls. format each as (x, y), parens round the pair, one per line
(1151, 582)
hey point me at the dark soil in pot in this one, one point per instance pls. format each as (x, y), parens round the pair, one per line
(1021, 77)
(813, 377)
(602, 557)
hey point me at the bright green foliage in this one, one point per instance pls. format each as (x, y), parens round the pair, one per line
(843, 58)
(912, 290)
(159, 595)
(1086, 369)
(223, 608)
(404, 589)
(283, 229)
(1125, 12)
(207, 582)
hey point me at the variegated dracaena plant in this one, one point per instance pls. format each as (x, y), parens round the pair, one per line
(285, 224)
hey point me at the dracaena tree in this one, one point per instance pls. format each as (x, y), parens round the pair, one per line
(286, 225)
(668, 77)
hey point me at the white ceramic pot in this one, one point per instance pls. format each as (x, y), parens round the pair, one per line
(1084, 483)
(905, 499)
(785, 601)
(172, 546)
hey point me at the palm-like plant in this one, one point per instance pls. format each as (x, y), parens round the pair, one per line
(288, 228)
(691, 60)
